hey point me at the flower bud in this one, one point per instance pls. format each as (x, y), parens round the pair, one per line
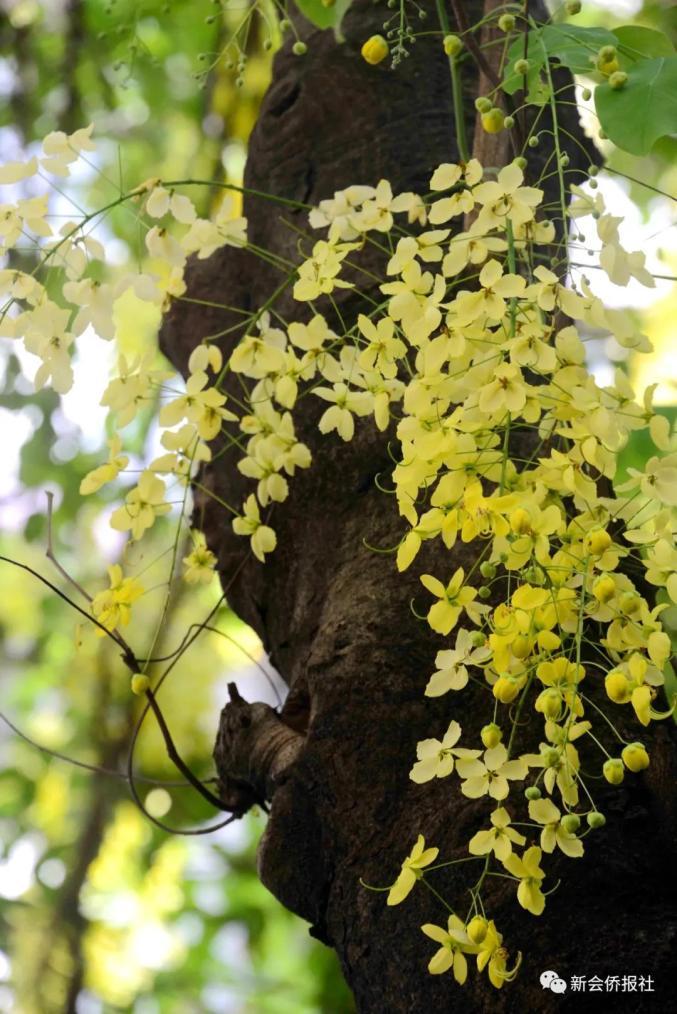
(505, 690)
(484, 592)
(488, 570)
(571, 823)
(299, 48)
(596, 819)
(613, 770)
(482, 104)
(572, 7)
(586, 94)
(533, 792)
(521, 646)
(549, 703)
(491, 735)
(551, 756)
(533, 141)
(635, 757)
(617, 687)
(477, 639)
(506, 23)
(521, 67)
(492, 122)
(618, 79)
(452, 45)
(375, 49)
(597, 541)
(509, 122)
(477, 929)
(140, 683)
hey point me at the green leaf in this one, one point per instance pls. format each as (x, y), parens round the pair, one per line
(635, 116)
(575, 47)
(323, 15)
(638, 43)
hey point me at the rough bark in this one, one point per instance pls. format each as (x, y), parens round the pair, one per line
(335, 617)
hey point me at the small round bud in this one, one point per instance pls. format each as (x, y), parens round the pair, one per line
(595, 819)
(618, 79)
(509, 122)
(482, 104)
(484, 592)
(520, 162)
(607, 53)
(635, 757)
(549, 703)
(477, 639)
(487, 569)
(533, 141)
(505, 690)
(493, 121)
(593, 184)
(597, 541)
(617, 687)
(375, 49)
(506, 22)
(551, 756)
(613, 770)
(533, 792)
(586, 94)
(564, 159)
(452, 45)
(522, 67)
(572, 7)
(285, 25)
(593, 170)
(477, 929)
(491, 735)
(239, 82)
(299, 48)
(267, 44)
(140, 683)
(571, 823)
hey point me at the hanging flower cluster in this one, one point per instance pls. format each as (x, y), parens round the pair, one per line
(505, 441)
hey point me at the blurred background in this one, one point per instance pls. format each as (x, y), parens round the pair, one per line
(100, 910)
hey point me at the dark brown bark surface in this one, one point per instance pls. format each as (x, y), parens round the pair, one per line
(336, 618)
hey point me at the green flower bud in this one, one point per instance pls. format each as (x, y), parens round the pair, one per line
(533, 792)
(571, 823)
(299, 48)
(520, 161)
(506, 22)
(586, 94)
(452, 45)
(521, 67)
(477, 639)
(491, 735)
(613, 770)
(572, 7)
(140, 683)
(533, 141)
(484, 592)
(482, 104)
(488, 569)
(551, 756)
(618, 79)
(509, 122)
(595, 819)
(493, 121)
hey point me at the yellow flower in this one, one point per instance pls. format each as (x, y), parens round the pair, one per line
(436, 757)
(112, 607)
(491, 774)
(443, 615)
(489, 300)
(375, 49)
(454, 942)
(544, 811)
(263, 538)
(530, 877)
(499, 839)
(412, 866)
(491, 953)
(95, 479)
(507, 392)
(200, 562)
(506, 200)
(143, 504)
(635, 757)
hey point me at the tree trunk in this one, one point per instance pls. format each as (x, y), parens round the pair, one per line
(335, 616)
